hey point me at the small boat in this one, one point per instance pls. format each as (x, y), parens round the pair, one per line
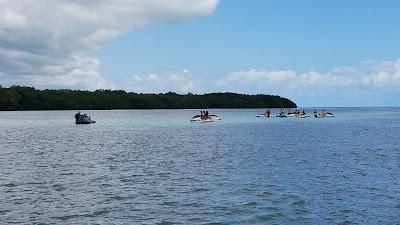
(284, 113)
(323, 114)
(300, 116)
(200, 118)
(211, 118)
(83, 119)
(264, 115)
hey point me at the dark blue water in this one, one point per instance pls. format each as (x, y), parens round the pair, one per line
(155, 167)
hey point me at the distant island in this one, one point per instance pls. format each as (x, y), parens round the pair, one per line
(29, 98)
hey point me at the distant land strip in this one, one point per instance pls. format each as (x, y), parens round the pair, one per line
(29, 98)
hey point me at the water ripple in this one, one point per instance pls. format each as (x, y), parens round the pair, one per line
(134, 167)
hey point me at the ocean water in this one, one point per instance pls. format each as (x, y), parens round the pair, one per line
(156, 167)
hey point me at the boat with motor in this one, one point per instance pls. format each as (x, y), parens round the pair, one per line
(205, 117)
(83, 119)
(323, 114)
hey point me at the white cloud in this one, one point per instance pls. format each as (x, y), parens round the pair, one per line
(369, 84)
(384, 74)
(179, 81)
(41, 39)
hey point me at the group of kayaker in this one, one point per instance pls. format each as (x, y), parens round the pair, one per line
(302, 114)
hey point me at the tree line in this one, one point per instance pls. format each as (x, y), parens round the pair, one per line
(29, 98)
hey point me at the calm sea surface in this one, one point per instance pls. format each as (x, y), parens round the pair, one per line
(155, 167)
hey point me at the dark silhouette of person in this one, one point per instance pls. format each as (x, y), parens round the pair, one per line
(77, 116)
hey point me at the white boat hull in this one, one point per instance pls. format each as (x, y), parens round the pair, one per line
(265, 116)
(211, 118)
(324, 116)
(294, 115)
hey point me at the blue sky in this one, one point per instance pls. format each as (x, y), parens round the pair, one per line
(318, 53)
(276, 35)
(268, 35)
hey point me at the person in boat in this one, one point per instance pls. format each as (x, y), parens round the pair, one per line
(77, 116)
(304, 113)
(268, 113)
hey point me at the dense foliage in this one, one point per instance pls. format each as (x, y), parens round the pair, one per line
(28, 98)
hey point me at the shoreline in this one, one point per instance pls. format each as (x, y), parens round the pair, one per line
(17, 98)
(193, 109)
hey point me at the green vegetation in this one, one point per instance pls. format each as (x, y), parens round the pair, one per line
(28, 98)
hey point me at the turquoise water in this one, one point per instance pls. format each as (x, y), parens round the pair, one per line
(155, 167)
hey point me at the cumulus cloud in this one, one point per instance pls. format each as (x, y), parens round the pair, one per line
(368, 84)
(48, 42)
(368, 76)
(383, 74)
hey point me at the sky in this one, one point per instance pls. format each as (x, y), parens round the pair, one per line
(316, 53)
